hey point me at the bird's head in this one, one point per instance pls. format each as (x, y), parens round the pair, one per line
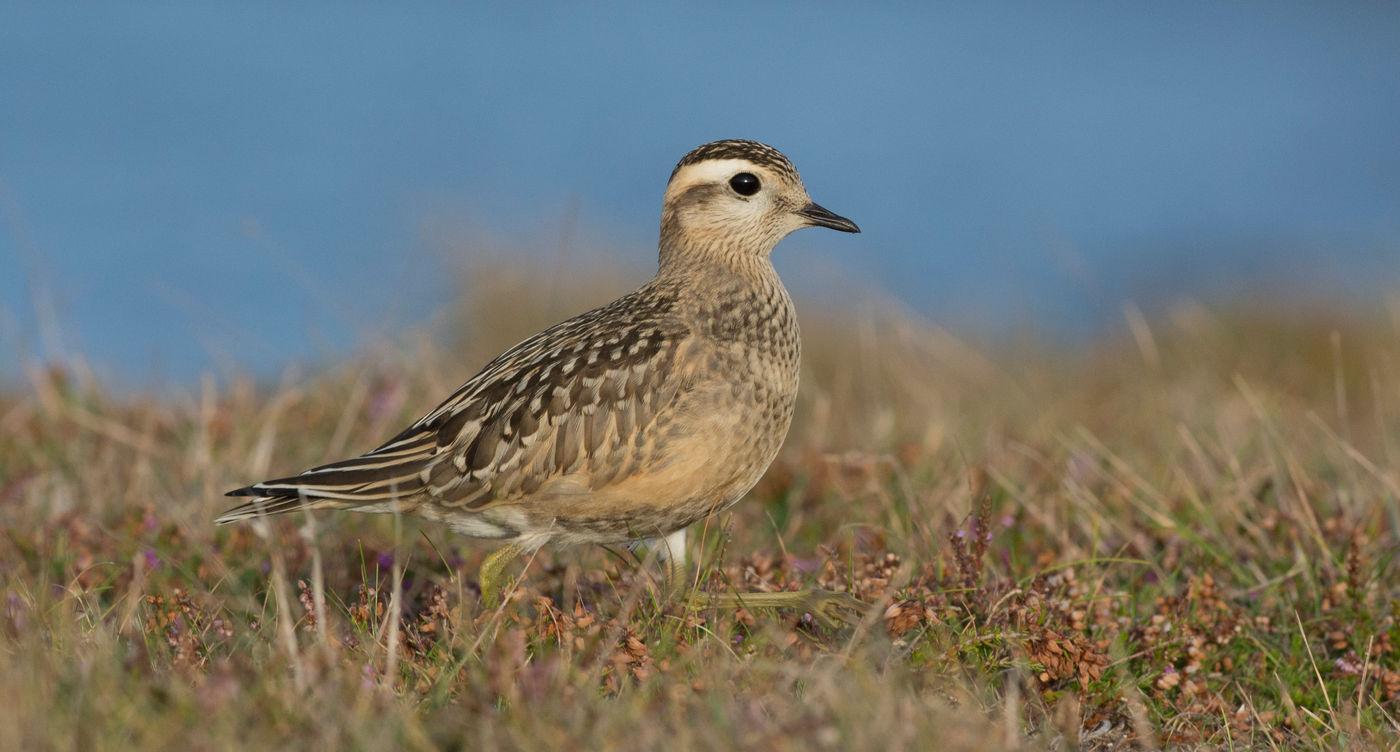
(737, 197)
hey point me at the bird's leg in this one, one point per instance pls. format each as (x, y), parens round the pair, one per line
(490, 573)
(828, 607)
(671, 552)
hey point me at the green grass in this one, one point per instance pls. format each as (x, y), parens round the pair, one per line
(1185, 538)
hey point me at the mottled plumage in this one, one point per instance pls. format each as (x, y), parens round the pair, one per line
(630, 421)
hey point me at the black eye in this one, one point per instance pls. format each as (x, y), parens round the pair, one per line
(744, 184)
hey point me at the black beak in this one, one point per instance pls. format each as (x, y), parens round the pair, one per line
(820, 217)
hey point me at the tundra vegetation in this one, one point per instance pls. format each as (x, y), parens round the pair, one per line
(1182, 534)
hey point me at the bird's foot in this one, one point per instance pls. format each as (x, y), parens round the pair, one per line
(830, 608)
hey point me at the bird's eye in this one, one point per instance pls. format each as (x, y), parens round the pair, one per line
(744, 184)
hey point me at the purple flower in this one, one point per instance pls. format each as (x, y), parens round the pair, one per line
(386, 399)
(385, 560)
(152, 561)
(14, 610)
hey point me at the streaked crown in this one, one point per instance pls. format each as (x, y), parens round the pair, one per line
(736, 148)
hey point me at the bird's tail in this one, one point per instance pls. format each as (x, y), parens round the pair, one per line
(382, 481)
(266, 505)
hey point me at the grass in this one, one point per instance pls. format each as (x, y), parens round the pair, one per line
(1183, 538)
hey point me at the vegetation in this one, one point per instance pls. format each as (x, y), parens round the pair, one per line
(1183, 538)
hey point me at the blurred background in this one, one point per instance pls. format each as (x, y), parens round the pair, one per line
(195, 188)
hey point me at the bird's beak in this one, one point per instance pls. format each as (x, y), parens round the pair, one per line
(820, 217)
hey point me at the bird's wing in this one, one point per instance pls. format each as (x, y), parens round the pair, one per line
(585, 411)
(580, 400)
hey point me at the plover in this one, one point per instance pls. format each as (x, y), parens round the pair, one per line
(629, 422)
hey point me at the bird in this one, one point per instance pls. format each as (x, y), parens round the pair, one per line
(625, 424)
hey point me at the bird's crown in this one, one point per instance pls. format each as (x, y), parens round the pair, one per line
(737, 148)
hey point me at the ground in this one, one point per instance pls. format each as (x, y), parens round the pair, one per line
(1183, 535)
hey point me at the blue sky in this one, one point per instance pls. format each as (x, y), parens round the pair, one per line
(190, 187)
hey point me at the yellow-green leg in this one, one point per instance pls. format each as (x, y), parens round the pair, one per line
(828, 607)
(490, 573)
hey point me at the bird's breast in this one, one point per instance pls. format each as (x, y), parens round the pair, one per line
(751, 339)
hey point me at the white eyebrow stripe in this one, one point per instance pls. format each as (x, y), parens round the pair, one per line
(712, 171)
